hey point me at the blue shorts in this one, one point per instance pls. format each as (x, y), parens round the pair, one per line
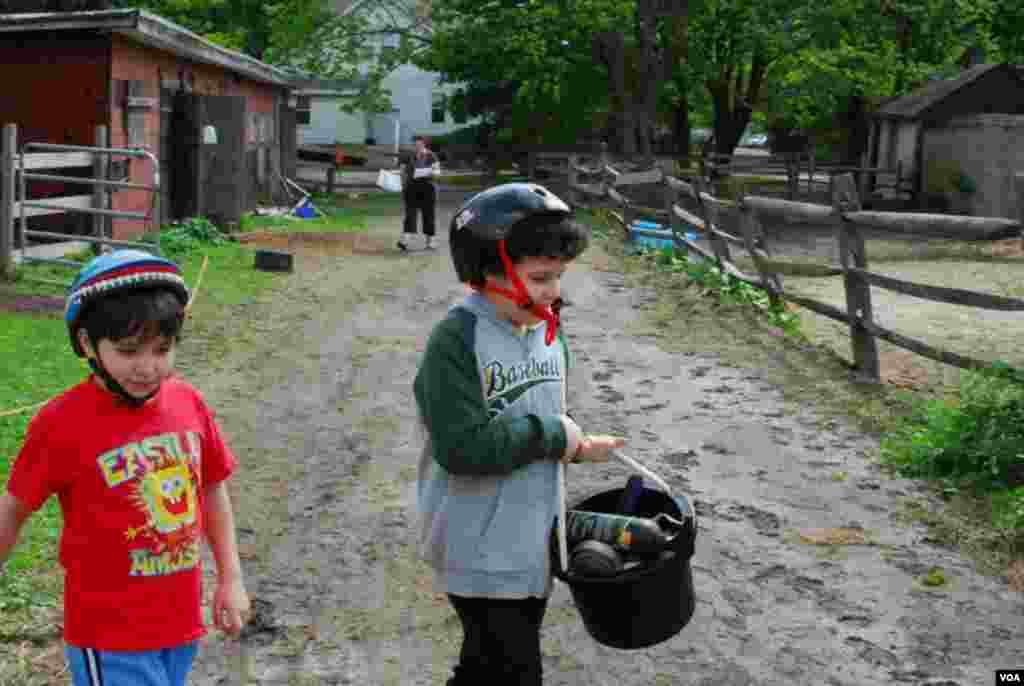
(167, 667)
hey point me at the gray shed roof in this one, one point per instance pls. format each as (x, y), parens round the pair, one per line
(913, 105)
(152, 30)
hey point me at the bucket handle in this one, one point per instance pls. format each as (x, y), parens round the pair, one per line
(644, 471)
(563, 546)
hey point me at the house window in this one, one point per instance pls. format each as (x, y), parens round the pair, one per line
(437, 108)
(303, 108)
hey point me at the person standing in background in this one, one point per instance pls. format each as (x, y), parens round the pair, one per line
(419, 192)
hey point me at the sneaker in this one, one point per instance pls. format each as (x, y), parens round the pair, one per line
(430, 243)
(402, 246)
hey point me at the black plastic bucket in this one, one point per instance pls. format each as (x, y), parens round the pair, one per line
(648, 604)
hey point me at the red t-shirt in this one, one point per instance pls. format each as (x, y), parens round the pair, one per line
(130, 482)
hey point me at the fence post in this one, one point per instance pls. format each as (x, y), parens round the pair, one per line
(852, 254)
(753, 237)
(332, 172)
(100, 193)
(718, 244)
(8, 148)
(670, 201)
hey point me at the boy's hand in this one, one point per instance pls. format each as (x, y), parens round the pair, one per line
(230, 607)
(598, 447)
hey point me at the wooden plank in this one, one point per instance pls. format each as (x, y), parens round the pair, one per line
(634, 178)
(805, 269)
(942, 294)
(69, 201)
(590, 171)
(821, 308)
(925, 350)
(617, 197)
(55, 160)
(8, 149)
(793, 212)
(735, 240)
(939, 225)
(681, 186)
(719, 203)
(689, 218)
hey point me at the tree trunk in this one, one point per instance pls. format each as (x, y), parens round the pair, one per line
(857, 124)
(681, 128)
(610, 48)
(680, 25)
(732, 103)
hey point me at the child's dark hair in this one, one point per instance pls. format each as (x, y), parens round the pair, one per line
(146, 312)
(555, 236)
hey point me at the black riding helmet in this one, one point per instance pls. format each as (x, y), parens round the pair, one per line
(489, 217)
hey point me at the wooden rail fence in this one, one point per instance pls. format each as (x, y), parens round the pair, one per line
(606, 188)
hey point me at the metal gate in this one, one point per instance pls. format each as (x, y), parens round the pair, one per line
(49, 156)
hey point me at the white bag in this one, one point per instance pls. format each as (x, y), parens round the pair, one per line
(390, 181)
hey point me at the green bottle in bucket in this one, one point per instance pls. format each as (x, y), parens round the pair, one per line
(636, 535)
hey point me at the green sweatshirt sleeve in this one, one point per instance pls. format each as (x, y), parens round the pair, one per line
(465, 439)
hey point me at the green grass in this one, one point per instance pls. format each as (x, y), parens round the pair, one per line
(36, 363)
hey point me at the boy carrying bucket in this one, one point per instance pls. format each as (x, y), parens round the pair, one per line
(491, 394)
(140, 468)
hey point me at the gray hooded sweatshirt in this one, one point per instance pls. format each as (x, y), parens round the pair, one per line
(491, 401)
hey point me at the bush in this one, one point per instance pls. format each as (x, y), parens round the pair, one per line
(974, 440)
(181, 238)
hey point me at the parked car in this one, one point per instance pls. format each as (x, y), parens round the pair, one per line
(758, 140)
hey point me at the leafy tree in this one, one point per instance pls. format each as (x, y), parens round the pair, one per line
(526, 67)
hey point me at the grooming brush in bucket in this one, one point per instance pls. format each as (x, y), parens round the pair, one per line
(648, 600)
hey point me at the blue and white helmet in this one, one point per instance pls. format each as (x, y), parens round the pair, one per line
(117, 272)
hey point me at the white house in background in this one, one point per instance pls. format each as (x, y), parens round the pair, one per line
(418, 97)
(318, 116)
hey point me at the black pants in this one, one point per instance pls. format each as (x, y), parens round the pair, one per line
(500, 641)
(420, 197)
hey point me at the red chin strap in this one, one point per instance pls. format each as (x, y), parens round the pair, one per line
(521, 297)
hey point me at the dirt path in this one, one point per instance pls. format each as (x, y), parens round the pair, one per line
(320, 411)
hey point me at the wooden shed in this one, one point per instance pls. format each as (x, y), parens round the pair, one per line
(902, 128)
(218, 121)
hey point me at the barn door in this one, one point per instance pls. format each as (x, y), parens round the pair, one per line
(179, 150)
(222, 176)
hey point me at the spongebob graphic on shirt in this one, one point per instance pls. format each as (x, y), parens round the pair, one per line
(163, 474)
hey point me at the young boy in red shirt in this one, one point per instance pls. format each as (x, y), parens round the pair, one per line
(139, 465)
